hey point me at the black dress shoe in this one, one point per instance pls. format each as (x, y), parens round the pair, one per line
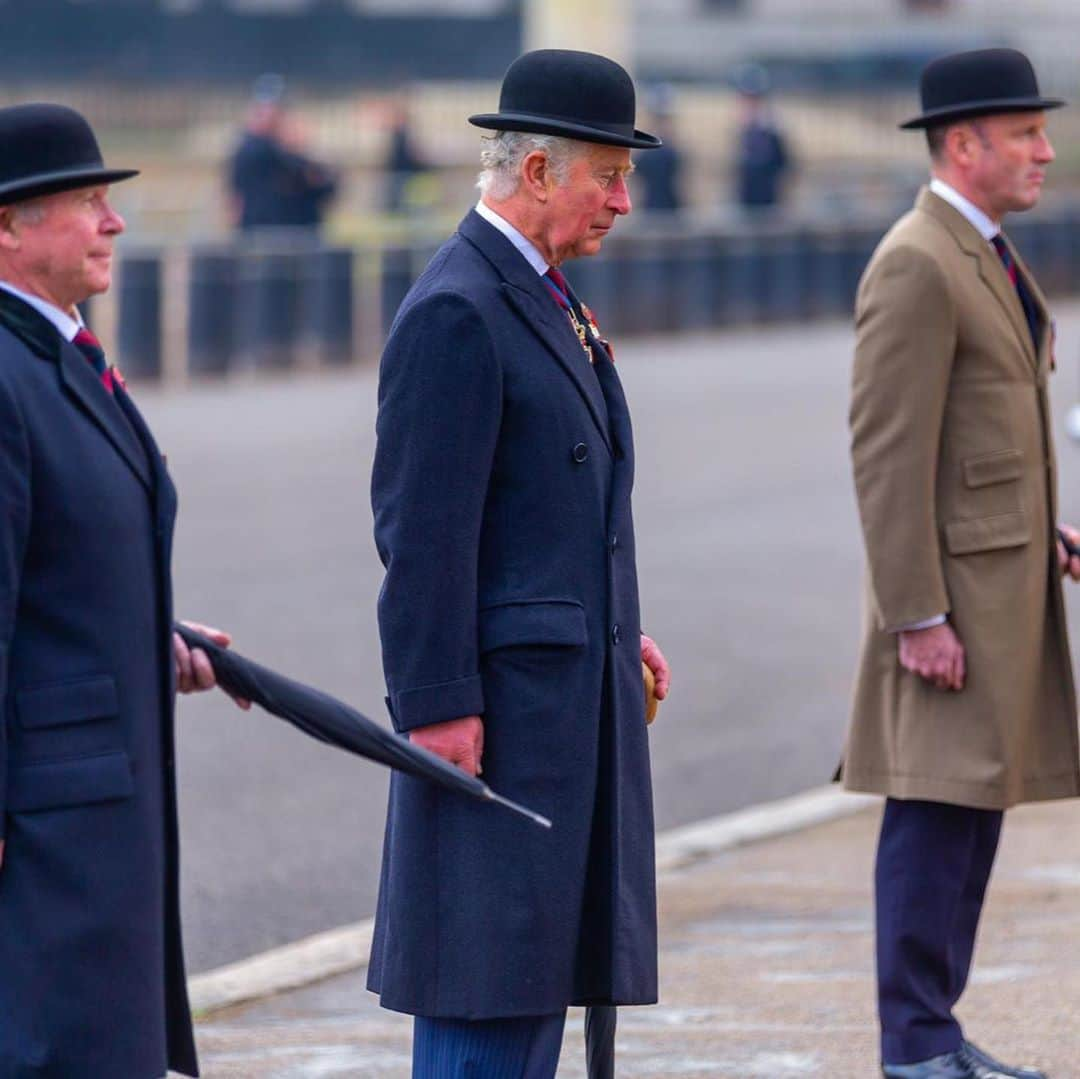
(984, 1060)
(956, 1065)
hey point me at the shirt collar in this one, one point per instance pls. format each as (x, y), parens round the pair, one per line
(522, 243)
(987, 229)
(67, 326)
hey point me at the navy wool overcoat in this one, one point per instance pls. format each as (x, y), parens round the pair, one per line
(501, 491)
(91, 971)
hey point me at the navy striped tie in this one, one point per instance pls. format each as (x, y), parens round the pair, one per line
(1026, 302)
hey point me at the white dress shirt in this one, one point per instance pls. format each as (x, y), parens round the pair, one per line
(522, 243)
(987, 229)
(67, 326)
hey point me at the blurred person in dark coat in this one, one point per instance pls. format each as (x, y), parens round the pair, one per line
(658, 172)
(403, 161)
(509, 612)
(271, 184)
(91, 967)
(762, 157)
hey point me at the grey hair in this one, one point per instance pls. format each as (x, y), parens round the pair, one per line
(30, 211)
(503, 153)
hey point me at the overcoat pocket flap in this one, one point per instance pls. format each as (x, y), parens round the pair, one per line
(987, 533)
(59, 703)
(104, 777)
(990, 468)
(548, 621)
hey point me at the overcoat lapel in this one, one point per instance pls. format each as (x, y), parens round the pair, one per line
(528, 296)
(81, 382)
(989, 267)
(1041, 306)
(164, 492)
(78, 378)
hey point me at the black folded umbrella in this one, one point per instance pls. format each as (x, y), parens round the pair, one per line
(600, 1041)
(331, 721)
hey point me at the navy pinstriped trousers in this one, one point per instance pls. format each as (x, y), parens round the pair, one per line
(522, 1048)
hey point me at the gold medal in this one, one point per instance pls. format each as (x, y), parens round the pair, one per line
(603, 342)
(579, 329)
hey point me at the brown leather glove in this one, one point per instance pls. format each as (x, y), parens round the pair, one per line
(651, 703)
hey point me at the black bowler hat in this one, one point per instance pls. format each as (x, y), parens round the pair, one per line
(49, 148)
(978, 83)
(578, 95)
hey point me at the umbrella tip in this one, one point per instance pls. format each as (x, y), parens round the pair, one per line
(524, 811)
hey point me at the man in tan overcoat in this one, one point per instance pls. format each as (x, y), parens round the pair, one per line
(964, 703)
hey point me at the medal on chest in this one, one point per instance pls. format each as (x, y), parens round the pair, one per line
(590, 318)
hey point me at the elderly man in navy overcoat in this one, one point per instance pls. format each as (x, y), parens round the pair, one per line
(509, 612)
(91, 970)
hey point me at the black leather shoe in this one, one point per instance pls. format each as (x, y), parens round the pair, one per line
(956, 1065)
(980, 1059)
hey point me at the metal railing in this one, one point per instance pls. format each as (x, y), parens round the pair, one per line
(284, 302)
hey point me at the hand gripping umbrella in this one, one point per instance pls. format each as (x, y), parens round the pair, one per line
(331, 721)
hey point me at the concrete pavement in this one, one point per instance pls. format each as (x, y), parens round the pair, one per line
(766, 971)
(750, 569)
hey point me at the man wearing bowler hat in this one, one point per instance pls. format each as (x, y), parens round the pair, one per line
(509, 612)
(964, 703)
(91, 969)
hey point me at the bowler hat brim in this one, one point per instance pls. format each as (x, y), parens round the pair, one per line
(964, 111)
(50, 183)
(568, 129)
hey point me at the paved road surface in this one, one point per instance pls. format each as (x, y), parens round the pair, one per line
(749, 561)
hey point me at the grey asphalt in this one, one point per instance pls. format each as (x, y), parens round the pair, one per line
(766, 972)
(749, 561)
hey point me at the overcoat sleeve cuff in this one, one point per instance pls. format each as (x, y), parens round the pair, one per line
(437, 703)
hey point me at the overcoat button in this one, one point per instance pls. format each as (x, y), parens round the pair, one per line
(581, 453)
(616, 634)
(614, 541)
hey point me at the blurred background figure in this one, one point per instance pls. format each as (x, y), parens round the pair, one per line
(659, 172)
(404, 164)
(762, 158)
(271, 183)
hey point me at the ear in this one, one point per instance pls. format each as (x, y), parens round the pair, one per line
(536, 175)
(9, 230)
(961, 142)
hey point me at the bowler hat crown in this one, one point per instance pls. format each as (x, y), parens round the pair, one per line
(578, 95)
(48, 148)
(978, 83)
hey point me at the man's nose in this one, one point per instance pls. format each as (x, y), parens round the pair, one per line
(1044, 151)
(619, 197)
(113, 223)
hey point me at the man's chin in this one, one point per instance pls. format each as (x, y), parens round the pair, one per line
(589, 246)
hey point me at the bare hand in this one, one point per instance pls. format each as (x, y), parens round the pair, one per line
(935, 654)
(653, 658)
(194, 672)
(1069, 564)
(459, 741)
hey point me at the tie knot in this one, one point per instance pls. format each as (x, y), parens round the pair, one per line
(91, 348)
(558, 279)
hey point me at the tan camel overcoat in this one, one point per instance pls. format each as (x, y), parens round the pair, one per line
(955, 480)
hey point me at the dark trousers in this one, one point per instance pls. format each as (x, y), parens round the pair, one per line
(523, 1048)
(933, 865)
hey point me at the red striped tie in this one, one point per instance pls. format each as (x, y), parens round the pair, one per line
(558, 287)
(91, 348)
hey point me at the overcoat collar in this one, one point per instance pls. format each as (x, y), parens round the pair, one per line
(991, 270)
(78, 378)
(529, 297)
